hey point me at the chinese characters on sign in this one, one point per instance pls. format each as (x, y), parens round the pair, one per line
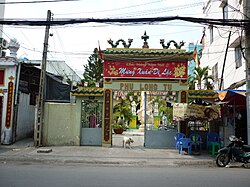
(107, 115)
(160, 70)
(9, 105)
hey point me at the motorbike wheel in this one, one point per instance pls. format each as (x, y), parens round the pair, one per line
(222, 160)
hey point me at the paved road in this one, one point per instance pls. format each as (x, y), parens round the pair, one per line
(106, 176)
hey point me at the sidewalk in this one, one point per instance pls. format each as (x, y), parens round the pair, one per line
(24, 151)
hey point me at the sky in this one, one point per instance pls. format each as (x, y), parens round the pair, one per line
(75, 43)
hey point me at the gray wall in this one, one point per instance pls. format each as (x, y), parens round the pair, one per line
(160, 138)
(25, 118)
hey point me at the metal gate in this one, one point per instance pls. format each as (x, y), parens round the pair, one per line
(91, 122)
(154, 135)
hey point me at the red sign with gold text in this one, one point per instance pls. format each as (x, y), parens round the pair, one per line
(158, 70)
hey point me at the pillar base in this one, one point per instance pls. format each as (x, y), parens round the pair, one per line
(133, 122)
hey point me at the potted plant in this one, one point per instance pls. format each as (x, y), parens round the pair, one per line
(118, 128)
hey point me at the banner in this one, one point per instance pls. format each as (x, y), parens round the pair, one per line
(184, 111)
(158, 70)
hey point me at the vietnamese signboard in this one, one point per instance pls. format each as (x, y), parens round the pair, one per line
(146, 86)
(138, 70)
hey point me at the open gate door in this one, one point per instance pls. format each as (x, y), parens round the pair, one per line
(91, 122)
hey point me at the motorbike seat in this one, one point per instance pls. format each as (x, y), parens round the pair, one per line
(246, 148)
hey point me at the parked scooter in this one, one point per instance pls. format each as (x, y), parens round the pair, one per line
(235, 151)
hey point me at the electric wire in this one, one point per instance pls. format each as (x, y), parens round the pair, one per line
(111, 10)
(232, 7)
(155, 11)
(33, 2)
(205, 21)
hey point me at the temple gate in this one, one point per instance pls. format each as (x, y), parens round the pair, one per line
(152, 74)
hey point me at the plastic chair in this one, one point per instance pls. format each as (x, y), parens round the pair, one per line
(177, 137)
(212, 137)
(185, 143)
(197, 140)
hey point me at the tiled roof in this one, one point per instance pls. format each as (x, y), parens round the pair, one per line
(87, 91)
(202, 94)
(174, 54)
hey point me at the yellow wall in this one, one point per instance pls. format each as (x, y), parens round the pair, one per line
(61, 124)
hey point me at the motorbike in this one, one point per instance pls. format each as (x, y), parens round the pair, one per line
(236, 151)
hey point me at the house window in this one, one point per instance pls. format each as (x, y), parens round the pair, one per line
(238, 57)
(1, 76)
(215, 75)
(211, 30)
(225, 11)
(215, 72)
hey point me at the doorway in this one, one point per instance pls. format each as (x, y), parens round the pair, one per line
(157, 110)
(91, 122)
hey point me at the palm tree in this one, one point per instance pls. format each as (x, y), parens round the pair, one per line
(201, 76)
(191, 82)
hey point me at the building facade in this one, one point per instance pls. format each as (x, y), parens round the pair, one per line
(224, 52)
(2, 7)
(9, 67)
(227, 64)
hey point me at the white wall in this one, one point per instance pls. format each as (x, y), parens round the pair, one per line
(2, 7)
(10, 70)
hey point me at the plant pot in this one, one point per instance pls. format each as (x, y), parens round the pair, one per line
(118, 131)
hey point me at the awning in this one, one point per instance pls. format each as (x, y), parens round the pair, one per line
(233, 97)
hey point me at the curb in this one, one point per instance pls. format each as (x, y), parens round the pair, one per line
(109, 162)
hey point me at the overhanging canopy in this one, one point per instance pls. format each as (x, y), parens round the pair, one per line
(233, 97)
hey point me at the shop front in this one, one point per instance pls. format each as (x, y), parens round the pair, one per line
(198, 119)
(234, 113)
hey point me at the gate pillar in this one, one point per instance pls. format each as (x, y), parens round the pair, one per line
(107, 118)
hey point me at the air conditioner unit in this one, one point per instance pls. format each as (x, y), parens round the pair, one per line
(2, 53)
(3, 43)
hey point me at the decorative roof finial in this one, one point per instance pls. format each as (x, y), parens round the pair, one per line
(145, 37)
(162, 41)
(125, 45)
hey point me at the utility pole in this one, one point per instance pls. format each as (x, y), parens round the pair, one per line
(39, 117)
(246, 7)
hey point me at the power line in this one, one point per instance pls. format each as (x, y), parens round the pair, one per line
(158, 10)
(233, 8)
(33, 2)
(206, 21)
(111, 10)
